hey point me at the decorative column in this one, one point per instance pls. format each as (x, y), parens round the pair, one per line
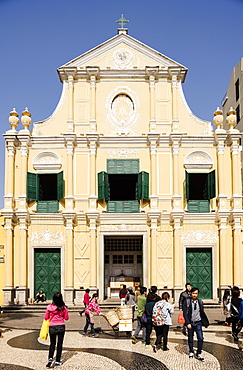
(220, 137)
(92, 139)
(234, 137)
(92, 213)
(151, 72)
(177, 256)
(70, 104)
(154, 213)
(225, 240)
(177, 214)
(153, 218)
(11, 143)
(225, 253)
(70, 139)
(8, 211)
(69, 217)
(69, 258)
(174, 72)
(8, 289)
(92, 218)
(22, 213)
(175, 139)
(93, 73)
(237, 251)
(153, 141)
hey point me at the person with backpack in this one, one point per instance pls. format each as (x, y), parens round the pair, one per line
(141, 307)
(161, 318)
(195, 318)
(235, 307)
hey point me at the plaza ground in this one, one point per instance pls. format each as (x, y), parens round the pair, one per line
(20, 347)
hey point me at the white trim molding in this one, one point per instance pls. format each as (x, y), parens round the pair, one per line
(47, 161)
(47, 237)
(122, 122)
(199, 236)
(198, 160)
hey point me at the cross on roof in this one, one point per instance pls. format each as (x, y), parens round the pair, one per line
(122, 21)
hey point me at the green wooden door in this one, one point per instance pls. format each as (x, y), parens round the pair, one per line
(47, 271)
(199, 270)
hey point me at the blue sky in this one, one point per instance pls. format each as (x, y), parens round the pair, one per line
(36, 37)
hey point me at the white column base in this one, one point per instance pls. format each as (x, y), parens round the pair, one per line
(8, 296)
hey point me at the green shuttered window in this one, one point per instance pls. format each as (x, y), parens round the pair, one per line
(142, 187)
(200, 188)
(103, 186)
(122, 166)
(32, 186)
(123, 186)
(46, 189)
(129, 206)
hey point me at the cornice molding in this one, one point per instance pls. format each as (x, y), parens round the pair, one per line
(82, 74)
(135, 139)
(127, 40)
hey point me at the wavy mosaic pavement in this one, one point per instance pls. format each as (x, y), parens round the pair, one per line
(227, 356)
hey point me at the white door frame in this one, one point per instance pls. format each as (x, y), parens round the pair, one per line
(101, 254)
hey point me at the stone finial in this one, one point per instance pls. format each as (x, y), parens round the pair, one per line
(13, 119)
(25, 119)
(231, 118)
(218, 118)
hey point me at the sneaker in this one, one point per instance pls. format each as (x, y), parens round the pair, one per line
(58, 363)
(49, 362)
(80, 313)
(134, 340)
(85, 334)
(95, 335)
(148, 346)
(166, 349)
(199, 357)
(191, 355)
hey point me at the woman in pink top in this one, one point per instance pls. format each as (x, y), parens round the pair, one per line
(57, 312)
(92, 307)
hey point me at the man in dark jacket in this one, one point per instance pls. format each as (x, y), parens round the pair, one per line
(183, 297)
(195, 318)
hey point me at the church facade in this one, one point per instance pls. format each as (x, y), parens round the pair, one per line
(122, 184)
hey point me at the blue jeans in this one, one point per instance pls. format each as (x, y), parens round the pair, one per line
(87, 325)
(139, 327)
(197, 327)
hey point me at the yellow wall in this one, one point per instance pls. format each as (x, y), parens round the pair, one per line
(82, 133)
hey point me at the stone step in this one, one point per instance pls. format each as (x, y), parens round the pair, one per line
(104, 305)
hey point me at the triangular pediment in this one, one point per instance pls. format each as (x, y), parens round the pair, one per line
(122, 52)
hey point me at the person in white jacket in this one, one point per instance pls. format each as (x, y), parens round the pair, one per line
(161, 319)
